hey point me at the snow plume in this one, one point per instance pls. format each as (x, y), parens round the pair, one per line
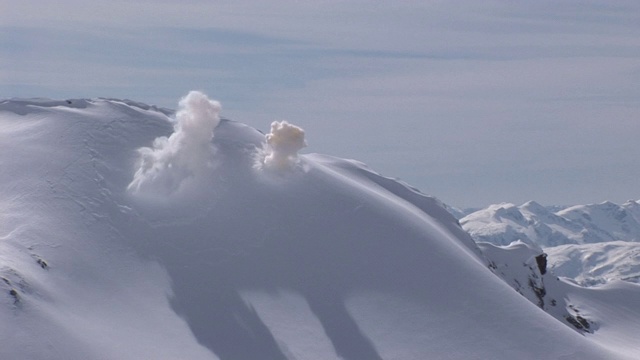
(176, 162)
(282, 145)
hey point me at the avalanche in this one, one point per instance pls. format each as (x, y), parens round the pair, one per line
(320, 259)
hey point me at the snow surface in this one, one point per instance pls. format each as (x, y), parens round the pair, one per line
(324, 259)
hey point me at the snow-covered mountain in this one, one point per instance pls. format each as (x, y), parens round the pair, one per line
(131, 232)
(589, 244)
(535, 224)
(606, 221)
(593, 264)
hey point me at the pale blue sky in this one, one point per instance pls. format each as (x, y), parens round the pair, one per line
(475, 102)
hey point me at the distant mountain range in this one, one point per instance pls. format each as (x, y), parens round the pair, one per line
(589, 244)
(534, 224)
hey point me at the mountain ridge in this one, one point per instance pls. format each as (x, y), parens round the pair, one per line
(217, 258)
(535, 224)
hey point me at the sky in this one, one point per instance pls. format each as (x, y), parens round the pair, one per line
(474, 102)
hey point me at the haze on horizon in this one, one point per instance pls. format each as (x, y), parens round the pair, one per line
(472, 102)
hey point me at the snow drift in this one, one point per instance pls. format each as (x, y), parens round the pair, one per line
(333, 262)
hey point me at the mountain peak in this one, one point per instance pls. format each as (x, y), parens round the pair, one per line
(534, 207)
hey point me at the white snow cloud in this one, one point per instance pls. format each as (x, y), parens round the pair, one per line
(282, 145)
(174, 163)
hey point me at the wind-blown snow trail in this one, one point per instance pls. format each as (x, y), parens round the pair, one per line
(321, 260)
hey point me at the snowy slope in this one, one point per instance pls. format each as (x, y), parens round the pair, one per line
(607, 313)
(57, 201)
(209, 252)
(525, 269)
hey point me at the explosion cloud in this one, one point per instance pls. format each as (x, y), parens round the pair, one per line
(174, 162)
(283, 143)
